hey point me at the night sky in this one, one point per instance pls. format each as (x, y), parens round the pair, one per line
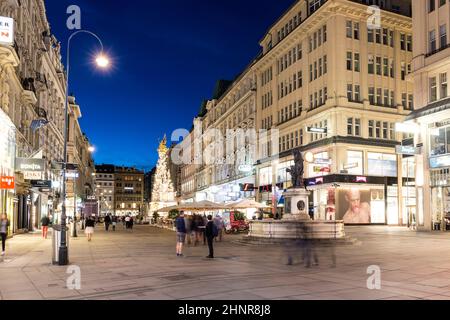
(167, 56)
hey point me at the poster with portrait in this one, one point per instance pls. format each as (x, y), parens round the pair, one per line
(354, 206)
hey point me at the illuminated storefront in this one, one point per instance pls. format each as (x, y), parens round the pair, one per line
(7, 177)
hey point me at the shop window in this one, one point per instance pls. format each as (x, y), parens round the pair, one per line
(354, 164)
(382, 164)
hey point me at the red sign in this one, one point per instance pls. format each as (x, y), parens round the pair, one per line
(7, 183)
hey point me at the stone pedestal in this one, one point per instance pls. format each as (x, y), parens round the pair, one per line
(296, 205)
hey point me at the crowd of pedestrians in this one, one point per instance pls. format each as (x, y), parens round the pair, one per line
(195, 229)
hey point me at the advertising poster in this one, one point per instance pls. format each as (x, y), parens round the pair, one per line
(354, 206)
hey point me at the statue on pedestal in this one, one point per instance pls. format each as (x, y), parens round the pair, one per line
(297, 170)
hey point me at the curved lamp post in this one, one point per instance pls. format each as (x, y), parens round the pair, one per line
(102, 62)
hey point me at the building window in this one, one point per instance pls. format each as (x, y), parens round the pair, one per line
(403, 41)
(371, 128)
(358, 127)
(370, 35)
(404, 100)
(391, 67)
(385, 36)
(443, 84)
(355, 162)
(432, 41)
(431, 5)
(350, 126)
(403, 72)
(433, 89)
(442, 2)
(371, 65)
(378, 36)
(410, 102)
(409, 44)
(350, 92)
(379, 97)
(386, 67)
(372, 95)
(391, 38)
(356, 31)
(386, 97)
(349, 61)
(378, 61)
(357, 93)
(443, 36)
(349, 28)
(357, 63)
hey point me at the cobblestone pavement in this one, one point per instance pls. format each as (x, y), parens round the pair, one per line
(142, 265)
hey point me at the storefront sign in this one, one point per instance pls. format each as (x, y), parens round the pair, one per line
(361, 179)
(6, 31)
(439, 162)
(316, 130)
(7, 183)
(30, 165)
(72, 175)
(322, 161)
(407, 150)
(322, 169)
(41, 184)
(32, 175)
(245, 168)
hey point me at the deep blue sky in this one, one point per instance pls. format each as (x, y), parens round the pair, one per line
(167, 57)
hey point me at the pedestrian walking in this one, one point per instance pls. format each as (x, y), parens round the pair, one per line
(211, 232)
(188, 224)
(45, 222)
(114, 222)
(131, 223)
(127, 222)
(218, 221)
(181, 233)
(90, 226)
(107, 222)
(4, 225)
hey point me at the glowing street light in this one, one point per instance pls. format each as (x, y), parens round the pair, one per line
(91, 149)
(102, 61)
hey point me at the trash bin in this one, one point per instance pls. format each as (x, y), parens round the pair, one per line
(56, 241)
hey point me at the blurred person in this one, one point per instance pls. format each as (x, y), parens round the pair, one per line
(131, 223)
(45, 222)
(114, 222)
(188, 224)
(181, 233)
(4, 225)
(211, 232)
(107, 222)
(89, 228)
(127, 222)
(309, 249)
(218, 221)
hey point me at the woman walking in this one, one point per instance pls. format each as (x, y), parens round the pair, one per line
(4, 225)
(90, 226)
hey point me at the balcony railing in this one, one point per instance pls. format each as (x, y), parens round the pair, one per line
(437, 50)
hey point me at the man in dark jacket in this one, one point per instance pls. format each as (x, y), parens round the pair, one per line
(107, 222)
(181, 233)
(210, 235)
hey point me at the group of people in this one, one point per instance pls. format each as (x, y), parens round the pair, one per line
(195, 228)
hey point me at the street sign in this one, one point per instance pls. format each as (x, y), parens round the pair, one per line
(407, 150)
(316, 130)
(32, 175)
(6, 31)
(7, 183)
(30, 165)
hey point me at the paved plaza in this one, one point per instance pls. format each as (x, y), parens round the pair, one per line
(143, 265)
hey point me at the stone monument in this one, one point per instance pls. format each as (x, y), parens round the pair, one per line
(297, 197)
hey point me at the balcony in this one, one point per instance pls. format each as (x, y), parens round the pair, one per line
(437, 51)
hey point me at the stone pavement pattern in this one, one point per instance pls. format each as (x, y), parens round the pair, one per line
(142, 265)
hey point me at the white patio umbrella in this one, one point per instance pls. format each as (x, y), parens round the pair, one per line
(246, 204)
(195, 206)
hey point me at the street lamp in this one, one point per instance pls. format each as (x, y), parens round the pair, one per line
(102, 62)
